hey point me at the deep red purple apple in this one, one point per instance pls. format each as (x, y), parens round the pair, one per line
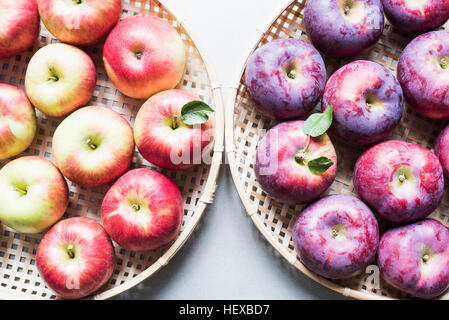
(75, 257)
(285, 78)
(423, 72)
(415, 258)
(416, 16)
(367, 102)
(282, 160)
(400, 180)
(343, 28)
(336, 237)
(442, 150)
(143, 210)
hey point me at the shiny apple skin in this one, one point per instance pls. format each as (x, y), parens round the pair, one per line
(350, 89)
(269, 87)
(347, 35)
(442, 150)
(413, 18)
(283, 178)
(60, 78)
(161, 64)
(376, 180)
(89, 269)
(80, 24)
(45, 198)
(108, 131)
(342, 256)
(19, 26)
(424, 81)
(173, 149)
(157, 218)
(17, 121)
(400, 258)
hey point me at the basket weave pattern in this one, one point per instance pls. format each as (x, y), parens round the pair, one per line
(245, 128)
(19, 277)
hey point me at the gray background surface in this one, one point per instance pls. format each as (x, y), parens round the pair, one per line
(226, 257)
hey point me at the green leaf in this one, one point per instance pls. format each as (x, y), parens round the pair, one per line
(318, 123)
(195, 112)
(320, 165)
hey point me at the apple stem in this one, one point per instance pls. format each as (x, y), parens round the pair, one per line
(334, 233)
(91, 144)
(138, 55)
(174, 123)
(347, 10)
(444, 63)
(425, 258)
(292, 74)
(135, 207)
(401, 178)
(21, 191)
(70, 251)
(369, 106)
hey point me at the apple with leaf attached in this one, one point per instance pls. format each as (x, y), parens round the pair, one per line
(174, 130)
(296, 161)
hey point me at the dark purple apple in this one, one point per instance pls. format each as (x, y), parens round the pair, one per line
(343, 28)
(415, 258)
(423, 72)
(400, 180)
(442, 150)
(285, 79)
(336, 237)
(416, 16)
(367, 102)
(282, 163)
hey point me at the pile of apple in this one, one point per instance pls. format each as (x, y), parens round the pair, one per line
(93, 146)
(401, 183)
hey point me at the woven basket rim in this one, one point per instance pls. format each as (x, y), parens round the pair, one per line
(209, 189)
(229, 142)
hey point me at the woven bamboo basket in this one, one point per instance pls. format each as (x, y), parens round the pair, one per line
(245, 127)
(19, 278)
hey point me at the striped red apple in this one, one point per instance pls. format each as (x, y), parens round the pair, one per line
(173, 130)
(93, 146)
(19, 26)
(142, 210)
(79, 22)
(17, 121)
(144, 55)
(75, 257)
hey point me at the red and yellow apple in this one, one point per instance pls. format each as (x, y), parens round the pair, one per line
(79, 22)
(17, 121)
(19, 26)
(144, 55)
(33, 194)
(60, 78)
(75, 257)
(142, 210)
(93, 146)
(164, 139)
